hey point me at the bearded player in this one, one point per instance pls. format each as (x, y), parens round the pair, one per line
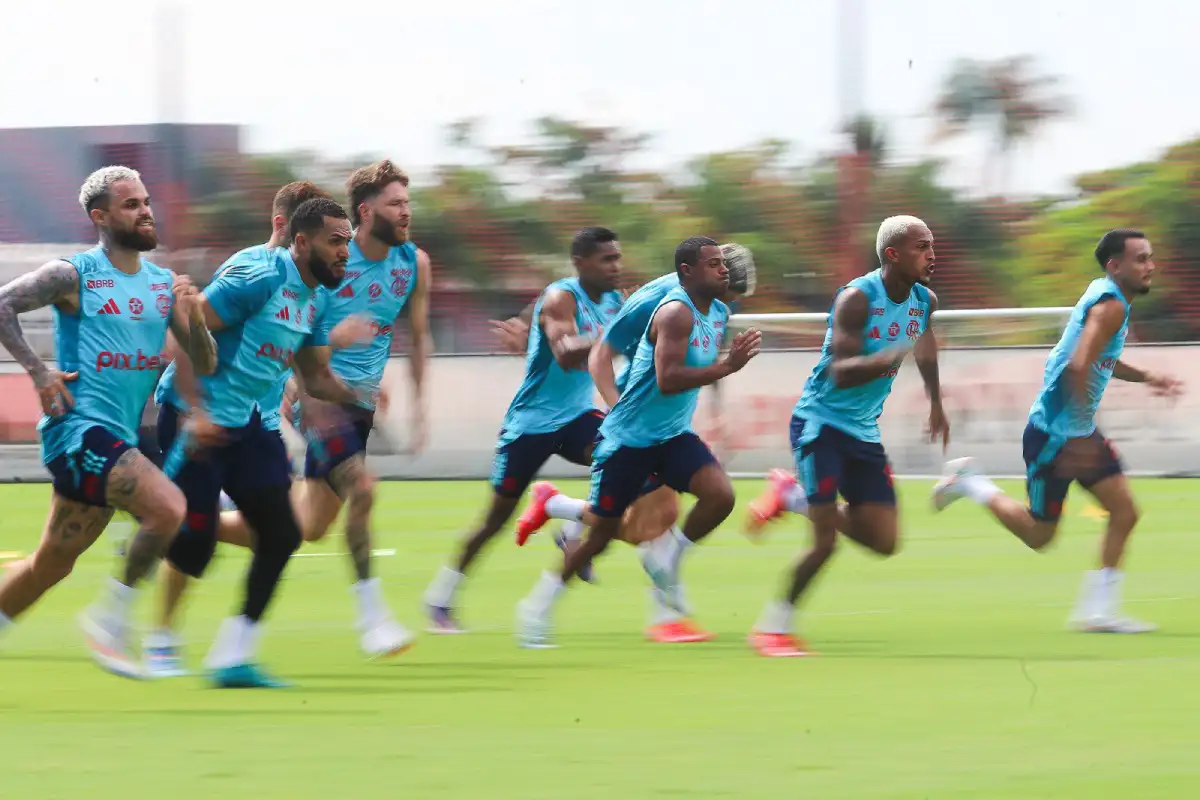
(112, 311)
(1062, 444)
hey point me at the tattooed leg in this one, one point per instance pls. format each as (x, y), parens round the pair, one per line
(356, 488)
(70, 529)
(137, 486)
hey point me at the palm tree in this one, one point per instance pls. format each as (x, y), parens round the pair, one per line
(1006, 97)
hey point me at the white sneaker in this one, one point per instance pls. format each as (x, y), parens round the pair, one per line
(950, 487)
(386, 638)
(108, 640)
(162, 656)
(534, 630)
(1112, 624)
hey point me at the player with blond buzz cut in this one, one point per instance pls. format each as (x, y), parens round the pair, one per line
(875, 322)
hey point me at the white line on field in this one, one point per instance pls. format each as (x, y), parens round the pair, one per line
(385, 553)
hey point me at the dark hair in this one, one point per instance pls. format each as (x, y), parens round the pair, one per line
(310, 216)
(293, 195)
(587, 241)
(1112, 244)
(688, 251)
(365, 183)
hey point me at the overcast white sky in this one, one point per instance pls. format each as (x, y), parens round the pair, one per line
(384, 76)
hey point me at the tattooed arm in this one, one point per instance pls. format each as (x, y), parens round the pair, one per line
(318, 380)
(55, 283)
(190, 325)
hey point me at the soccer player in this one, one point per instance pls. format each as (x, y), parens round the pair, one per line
(385, 274)
(112, 311)
(1062, 443)
(875, 321)
(648, 434)
(655, 514)
(553, 412)
(161, 646)
(267, 311)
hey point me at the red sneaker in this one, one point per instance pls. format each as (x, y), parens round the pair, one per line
(778, 645)
(680, 631)
(534, 516)
(769, 505)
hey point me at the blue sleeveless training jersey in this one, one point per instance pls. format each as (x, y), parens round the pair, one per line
(549, 396)
(855, 410)
(269, 314)
(377, 290)
(115, 343)
(644, 416)
(1055, 410)
(626, 330)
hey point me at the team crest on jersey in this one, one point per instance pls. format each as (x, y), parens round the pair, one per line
(400, 280)
(312, 314)
(914, 329)
(163, 303)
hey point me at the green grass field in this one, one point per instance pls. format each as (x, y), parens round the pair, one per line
(944, 672)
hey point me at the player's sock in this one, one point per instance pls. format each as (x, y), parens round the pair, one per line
(979, 488)
(545, 592)
(236, 644)
(660, 612)
(440, 593)
(372, 608)
(776, 618)
(119, 600)
(572, 530)
(795, 499)
(562, 507)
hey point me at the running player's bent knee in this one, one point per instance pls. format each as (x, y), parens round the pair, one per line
(191, 550)
(166, 517)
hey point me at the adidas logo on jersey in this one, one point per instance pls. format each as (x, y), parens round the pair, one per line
(346, 291)
(284, 314)
(110, 307)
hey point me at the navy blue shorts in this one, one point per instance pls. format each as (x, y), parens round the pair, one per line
(518, 460)
(620, 475)
(148, 444)
(830, 462)
(332, 444)
(82, 475)
(1052, 463)
(253, 458)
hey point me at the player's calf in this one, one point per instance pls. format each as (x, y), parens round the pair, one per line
(1036, 526)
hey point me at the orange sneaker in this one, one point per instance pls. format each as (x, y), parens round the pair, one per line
(680, 631)
(778, 645)
(534, 516)
(770, 504)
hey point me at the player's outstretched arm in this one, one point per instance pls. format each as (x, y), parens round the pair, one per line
(850, 367)
(558, 323)
(600, 365)
(1162, 384)
(1103, 321)
(671, 330)
(55, 283)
